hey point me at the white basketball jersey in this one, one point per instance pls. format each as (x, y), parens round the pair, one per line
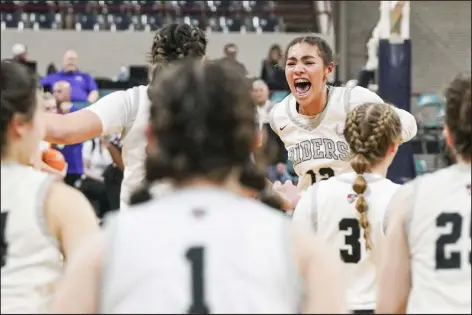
(335, 219)
(31, 260)
(130, 117)
(316, 145)
(200, 250)
(439, 231)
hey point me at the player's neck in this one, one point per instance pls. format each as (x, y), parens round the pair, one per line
(16, 156)
(317, 106)
(380, 168)
(231, 183)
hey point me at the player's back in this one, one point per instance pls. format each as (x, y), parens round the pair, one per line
(200, 250)
(31, 260)
(438, 228)
(336, 220)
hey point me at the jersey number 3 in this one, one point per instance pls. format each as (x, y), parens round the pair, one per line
(4, 241)
(453, 260)
(195, 256)
(352, 255)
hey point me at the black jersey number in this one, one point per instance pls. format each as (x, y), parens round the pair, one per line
(195, 256)
(352, 255)
(4, 241)
(452, 260)
(324, 172)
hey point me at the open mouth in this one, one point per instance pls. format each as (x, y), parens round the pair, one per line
(302, 86)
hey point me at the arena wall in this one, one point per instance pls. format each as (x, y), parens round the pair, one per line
(102, 53)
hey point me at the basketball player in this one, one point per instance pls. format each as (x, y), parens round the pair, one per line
(128, 111)
(42, 220)
(347, 210)
(427, 266)
(202, 248)
(310, 120)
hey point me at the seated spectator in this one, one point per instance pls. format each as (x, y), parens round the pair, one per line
(260, 97)
(272, 71)
(113, 174)
(83, 86)
(98, 162)
(231, 57)
(279, 173)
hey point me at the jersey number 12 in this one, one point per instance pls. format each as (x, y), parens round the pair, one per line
(325, 172)
(195, 256)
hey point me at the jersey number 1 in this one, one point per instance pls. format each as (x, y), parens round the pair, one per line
(4, 241)
(195, 256)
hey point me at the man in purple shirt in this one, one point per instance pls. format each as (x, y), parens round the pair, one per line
(83, 86)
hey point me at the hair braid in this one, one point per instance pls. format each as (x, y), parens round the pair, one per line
(370, 130)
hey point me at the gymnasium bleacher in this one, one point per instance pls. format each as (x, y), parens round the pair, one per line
(115, 15)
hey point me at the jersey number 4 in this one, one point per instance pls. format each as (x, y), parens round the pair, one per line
(325, 172)
(195, 256)
(4, 242)
(352, 255)
(453, 259)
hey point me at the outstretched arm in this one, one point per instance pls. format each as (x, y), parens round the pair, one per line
(110, 114)
(360, 95)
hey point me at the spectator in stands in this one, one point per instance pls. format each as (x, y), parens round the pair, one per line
(20, 53)
(83, 86)
(62, 93)
(72, 153)
(231, 53)
(260, 97)
(279, 173)
(97, 159)
(272, 71)
(113, 175)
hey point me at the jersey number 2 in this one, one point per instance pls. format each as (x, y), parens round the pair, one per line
(453, 260)
(326, 172)
(4, 241)
(195, 256)
(353, 255)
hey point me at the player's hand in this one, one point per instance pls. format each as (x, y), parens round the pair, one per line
(289, 192)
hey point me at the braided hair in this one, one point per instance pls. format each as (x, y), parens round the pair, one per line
(174, 42)
(370, 131)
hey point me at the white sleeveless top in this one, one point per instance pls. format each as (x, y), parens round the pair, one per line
(329, 208)
(31, 259)
(200, 248)
(439, 229)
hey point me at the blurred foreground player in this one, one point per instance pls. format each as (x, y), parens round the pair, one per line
(42, 220)
(427, 267)
(202, 248)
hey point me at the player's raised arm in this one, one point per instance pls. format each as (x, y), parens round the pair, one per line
(361, 95)
(394, 274)
(109, 114)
